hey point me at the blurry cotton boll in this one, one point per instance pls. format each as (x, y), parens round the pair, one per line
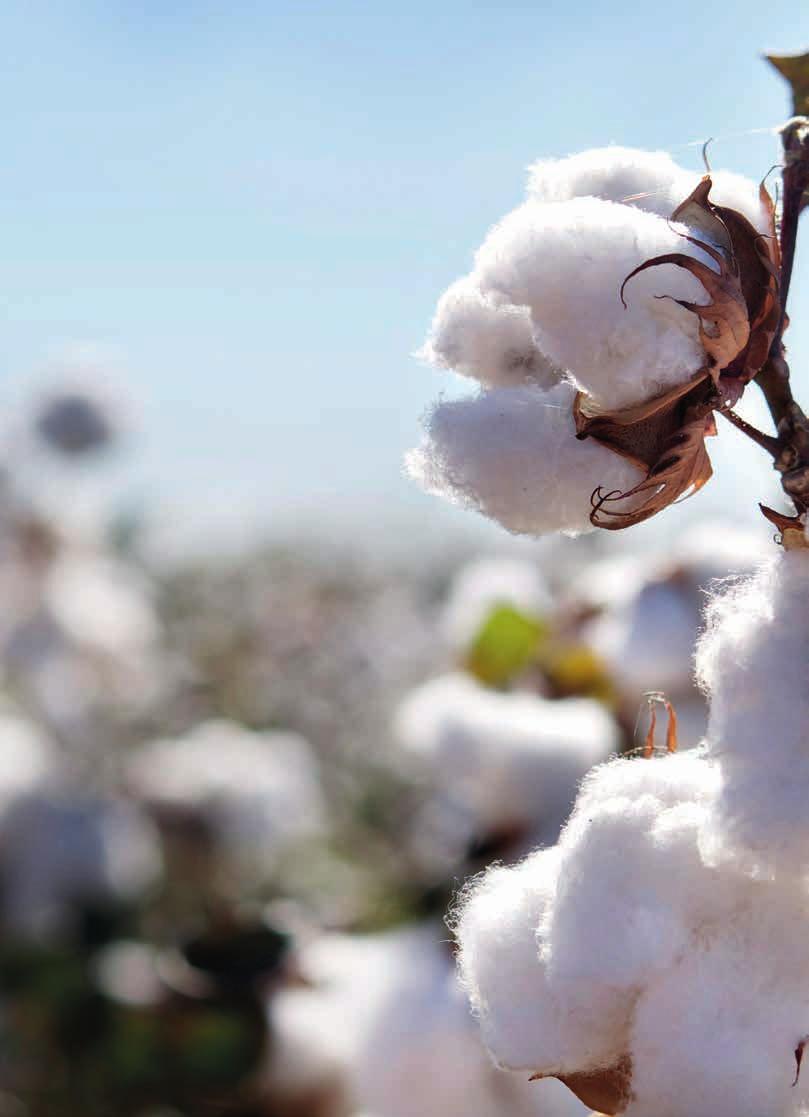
(101, 604)
(485, 585)
(514, 760)
(486, 338)
(259, 792)
(512, 454)
(58, 853)
(317, 1028)
(80, 412)
(422, 1052)
(28, 758)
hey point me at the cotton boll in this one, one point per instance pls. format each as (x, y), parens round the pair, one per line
(28, 759)
(512, 454)
(567, 263)
(486, 338)
(260, 791)
(514, 759)
(423, 1053)
(632, 883)
(753, 660)
(718, 1033)
(645, 179)
(526, 1019)
(487, 584)
(649, 642)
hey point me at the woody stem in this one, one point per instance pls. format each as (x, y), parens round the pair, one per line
(791, 449)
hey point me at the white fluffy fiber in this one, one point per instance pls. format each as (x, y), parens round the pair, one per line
(754, 661)
(512, 454)
(668, 925)
(567, 262)
(486, 584)
(513, 759)
(544, 302)
(486, 337)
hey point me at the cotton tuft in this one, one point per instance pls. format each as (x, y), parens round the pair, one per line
(512, 454)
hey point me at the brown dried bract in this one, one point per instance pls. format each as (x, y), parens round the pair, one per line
(607, 1091)
(666, 436)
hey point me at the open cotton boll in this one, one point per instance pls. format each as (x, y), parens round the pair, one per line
(567, 262)
(512, 454)
(753, 661)
(486, 584)
(645, 179)
(514, 759)
(28, 759)
(718, 1033)
(423, 1052)
(486, 338)
(526, 1018)
(259, 790)
(631, 882)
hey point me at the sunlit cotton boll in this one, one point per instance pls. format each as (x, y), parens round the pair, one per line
(647, 180)
(259, 791)
(567, 262)
(512, 454)
(513, 759)
(487, 338)
(753, 663)
(486, 584)
(556, 951)
(423, 1053)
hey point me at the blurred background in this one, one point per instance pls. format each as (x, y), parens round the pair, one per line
(264, 706)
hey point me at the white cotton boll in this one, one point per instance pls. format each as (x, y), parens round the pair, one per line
(101, 604)
(486, 584)
(717, 1034)
(645, 179)
(567, 263)
(513, 759)
(528, 1021)
(632, 885)
(512, 454)
(486, 338)
(28, 759)
(753, 660)
(423, 1053)
(260, 791)
(648, 644)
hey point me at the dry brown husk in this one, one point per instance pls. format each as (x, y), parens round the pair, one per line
(666, 436)
(607, 1091)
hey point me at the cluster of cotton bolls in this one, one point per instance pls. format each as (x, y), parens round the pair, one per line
(655, 958)
(541, 317)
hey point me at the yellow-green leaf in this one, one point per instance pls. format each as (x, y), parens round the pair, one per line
(506, 643)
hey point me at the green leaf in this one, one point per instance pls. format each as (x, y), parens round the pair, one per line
(795, 68)
(506, 643)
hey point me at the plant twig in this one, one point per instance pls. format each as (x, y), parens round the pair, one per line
(767, 442)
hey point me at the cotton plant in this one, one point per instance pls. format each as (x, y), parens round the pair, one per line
(654, 959)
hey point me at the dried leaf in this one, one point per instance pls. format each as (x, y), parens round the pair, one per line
(607, 1090)
(799, 1058)
(795, 68)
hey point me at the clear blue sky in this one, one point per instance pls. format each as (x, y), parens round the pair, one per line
(257, 204)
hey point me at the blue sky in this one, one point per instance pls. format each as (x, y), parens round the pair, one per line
(253, 207)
